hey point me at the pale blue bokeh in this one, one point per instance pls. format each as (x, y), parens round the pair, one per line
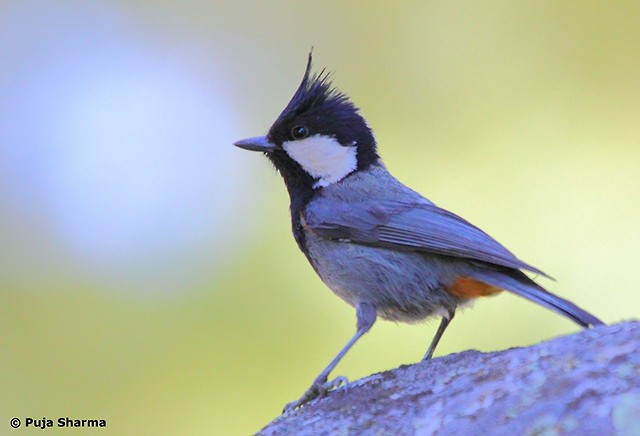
(121, 152)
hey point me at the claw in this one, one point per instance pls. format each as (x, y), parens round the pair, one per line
(335, 384)
(317, 389)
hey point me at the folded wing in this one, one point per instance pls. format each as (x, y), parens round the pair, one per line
(415, 226)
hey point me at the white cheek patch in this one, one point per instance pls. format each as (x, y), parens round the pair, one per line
(323, 158)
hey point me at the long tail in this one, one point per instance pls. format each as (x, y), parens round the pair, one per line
(518, 283)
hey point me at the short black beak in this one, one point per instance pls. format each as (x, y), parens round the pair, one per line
(259, 143)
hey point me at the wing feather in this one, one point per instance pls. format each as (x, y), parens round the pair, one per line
(415, 226)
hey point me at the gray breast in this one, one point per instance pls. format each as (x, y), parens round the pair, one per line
(402, 286)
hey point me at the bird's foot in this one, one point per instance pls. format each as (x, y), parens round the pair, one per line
(320, 387)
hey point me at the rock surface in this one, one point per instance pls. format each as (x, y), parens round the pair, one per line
(587, 383)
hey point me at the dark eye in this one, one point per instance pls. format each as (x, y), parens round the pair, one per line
(299, 132)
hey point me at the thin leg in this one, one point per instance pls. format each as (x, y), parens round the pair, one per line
(366, 314)
(443, 326)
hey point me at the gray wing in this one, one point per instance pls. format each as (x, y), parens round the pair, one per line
(415, 226)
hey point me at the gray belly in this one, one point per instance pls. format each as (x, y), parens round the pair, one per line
(402, 286)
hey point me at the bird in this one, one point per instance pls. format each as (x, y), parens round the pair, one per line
(377, 244)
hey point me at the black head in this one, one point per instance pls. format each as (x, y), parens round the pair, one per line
(319, 138)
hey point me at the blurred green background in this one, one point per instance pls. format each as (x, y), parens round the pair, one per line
(147, 271)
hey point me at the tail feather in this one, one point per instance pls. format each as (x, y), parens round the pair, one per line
(518, 283)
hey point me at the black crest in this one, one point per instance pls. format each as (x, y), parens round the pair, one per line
(324, 110)
(314, 91)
